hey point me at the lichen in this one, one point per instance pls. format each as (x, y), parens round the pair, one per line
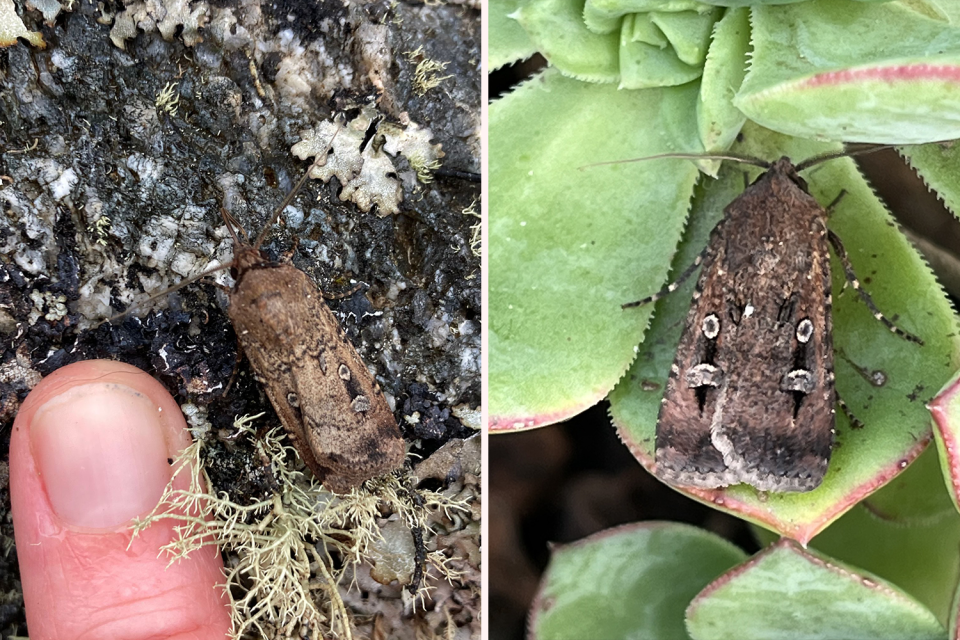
(164, 15)
(476, 230)
(50, 8)
(100, 229)
(168, 99)
(285, 580)
(367, 172)
(427, 74)
(12, 27)
(50, 306)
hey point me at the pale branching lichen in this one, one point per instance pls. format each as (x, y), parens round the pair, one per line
(427, 74)
(12, 27)
(423, 166)
(476, 239)
(293, 549)
(168, 99)
(101, 228)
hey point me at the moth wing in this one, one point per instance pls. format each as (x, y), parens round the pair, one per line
(685, 453)
(348, 423)
(329, 403)
(751, 398)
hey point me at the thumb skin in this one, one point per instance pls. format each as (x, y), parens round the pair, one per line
(90, 450)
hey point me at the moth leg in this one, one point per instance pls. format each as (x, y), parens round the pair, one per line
(222, 287)
(288, 255)
(833, 204)
(233, 225)
(852, 280)
(136, 305)
(236, 367)
(855, 422)
(340, 296)
(673, 286)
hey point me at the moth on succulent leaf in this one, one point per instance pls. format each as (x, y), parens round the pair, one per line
(750, 397)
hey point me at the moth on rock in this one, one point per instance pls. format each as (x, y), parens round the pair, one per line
(328, 402)
(750, 397)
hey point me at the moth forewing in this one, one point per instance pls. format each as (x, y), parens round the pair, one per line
(327, 400)
(750, 397)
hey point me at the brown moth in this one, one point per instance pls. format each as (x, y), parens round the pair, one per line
(751, 397)
(328, 402)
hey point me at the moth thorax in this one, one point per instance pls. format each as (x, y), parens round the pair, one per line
(246, 257)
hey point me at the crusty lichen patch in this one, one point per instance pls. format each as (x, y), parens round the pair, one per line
(367, 173)
(164, 15)
(12, 27)
(284, 581)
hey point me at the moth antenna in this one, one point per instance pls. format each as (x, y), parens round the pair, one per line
(849, 153)
(318, 161)
(758, 162)
(179, 285)
(845, 153)
(231, 222)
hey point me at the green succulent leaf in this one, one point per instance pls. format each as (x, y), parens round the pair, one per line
(787, 593)
(915, 498)
(688, 32)
(645, 65)
(603, 16)
(907, 533)
(559, 33)
(939, 166)
(919, 552)
(563, 259)
(946, 414)
(718, 120)
(853, 71)
(507, 41)
(954, 626)
(630, 582)
(758, 3)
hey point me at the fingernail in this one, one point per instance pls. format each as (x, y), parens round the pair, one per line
(101, 453)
